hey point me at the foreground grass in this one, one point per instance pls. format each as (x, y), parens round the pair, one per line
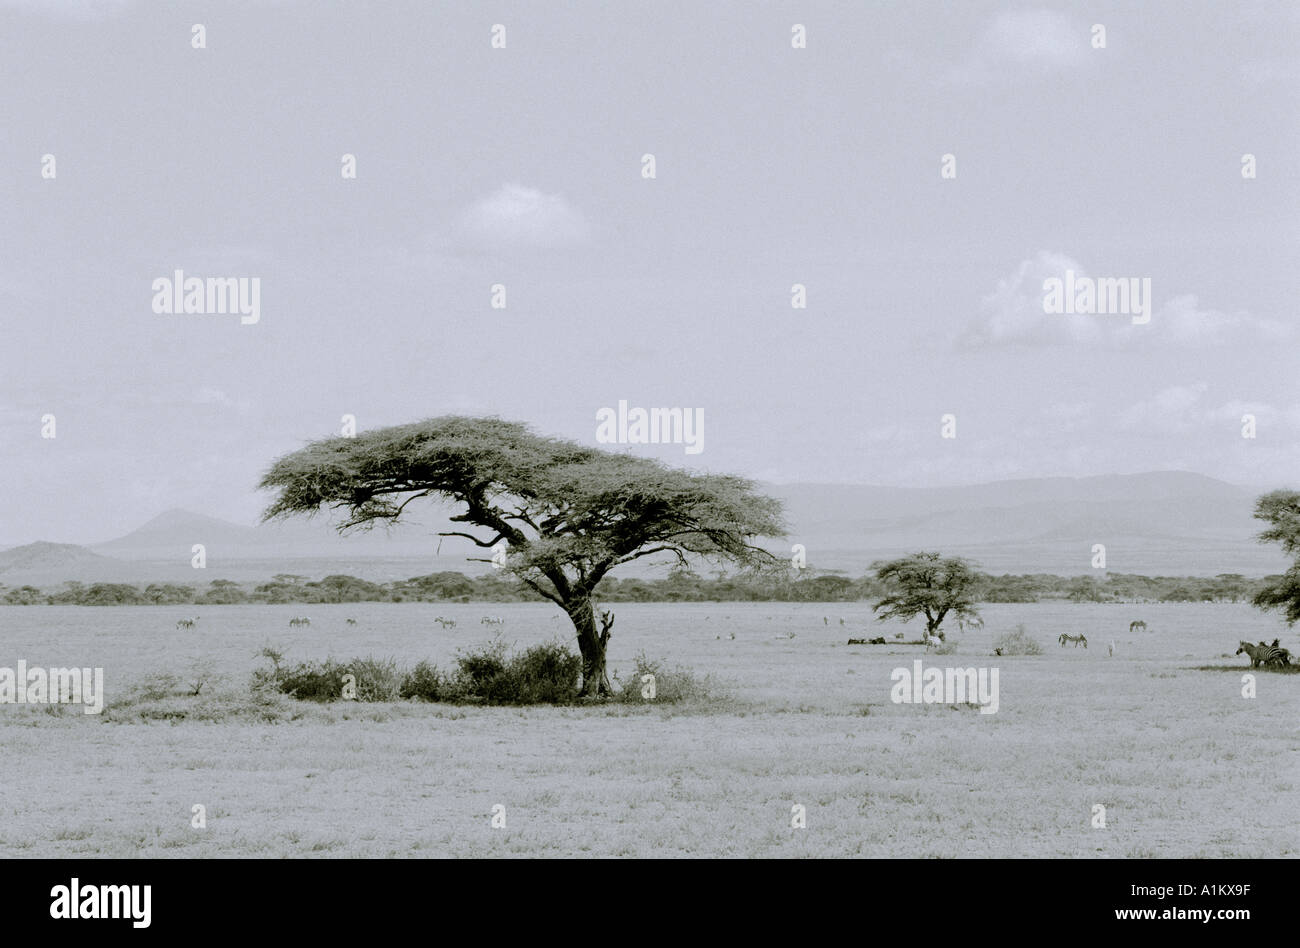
(1185, 766)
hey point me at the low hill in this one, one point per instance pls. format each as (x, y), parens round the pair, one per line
(43, 558)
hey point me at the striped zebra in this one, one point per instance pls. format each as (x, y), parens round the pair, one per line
(1262, 654)
(1137, 626)
(299, 620)
(1076, 639)
(969, 622)
(493, 620)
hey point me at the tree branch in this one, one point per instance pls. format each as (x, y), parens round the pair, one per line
(470, 536)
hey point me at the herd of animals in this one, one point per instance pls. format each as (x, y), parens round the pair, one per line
(1259, 654)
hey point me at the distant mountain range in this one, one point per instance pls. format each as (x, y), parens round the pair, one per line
(1165, 523)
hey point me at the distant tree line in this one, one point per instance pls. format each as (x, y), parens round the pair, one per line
(680, 585)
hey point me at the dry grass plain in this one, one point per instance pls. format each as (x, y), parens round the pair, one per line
(1160, 734)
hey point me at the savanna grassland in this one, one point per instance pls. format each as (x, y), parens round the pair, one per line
(1159, 734)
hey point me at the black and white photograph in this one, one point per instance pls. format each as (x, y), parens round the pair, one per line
(633, 431)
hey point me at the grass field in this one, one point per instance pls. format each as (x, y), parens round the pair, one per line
(1159, 734)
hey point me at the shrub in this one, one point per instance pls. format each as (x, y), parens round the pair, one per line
(377, 679)
(425, 683)
(1017, 642)
(155, 688)
(544, 674)
(479, 670)
(312, 681)
(672, 685)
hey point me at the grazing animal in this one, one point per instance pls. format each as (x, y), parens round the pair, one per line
(1137, 626)
(898, 635)
(1262, 654)
(933, 641)
(1076, 639)
(784, 635)
(185, 624)
(299, 620)
(352, 622)
(969, 622)
(493, 620)
(445, 623)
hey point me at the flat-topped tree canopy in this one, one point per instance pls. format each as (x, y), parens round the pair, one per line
(1280, 509)
(568, 513)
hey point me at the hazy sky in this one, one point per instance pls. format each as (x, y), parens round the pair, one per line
(523, 166)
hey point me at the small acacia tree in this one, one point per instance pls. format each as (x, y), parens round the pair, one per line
(929, 585)
(567, 514)
(1281, 510)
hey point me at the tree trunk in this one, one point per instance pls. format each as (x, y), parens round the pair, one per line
(592, 645)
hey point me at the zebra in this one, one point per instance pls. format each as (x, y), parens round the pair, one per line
(969, 622)
(352, 622)
(299, 620)
(1076, 639)
(1264, 654)
(186, 623)
(493, 620)
(445, 623)
(1137, 626)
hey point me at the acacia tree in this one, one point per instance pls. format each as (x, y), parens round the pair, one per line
(929, 585)
(563, 514)
(1281, 510)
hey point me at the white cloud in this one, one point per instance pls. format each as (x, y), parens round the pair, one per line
(1048, 37)
(208, 395)
(1181, 408)
(516, 216)
(1012, 315)
(1184, 322)
(1262, 72)
(1020, 41)
(1171, 409)
(1266, 415)
(86, 10)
